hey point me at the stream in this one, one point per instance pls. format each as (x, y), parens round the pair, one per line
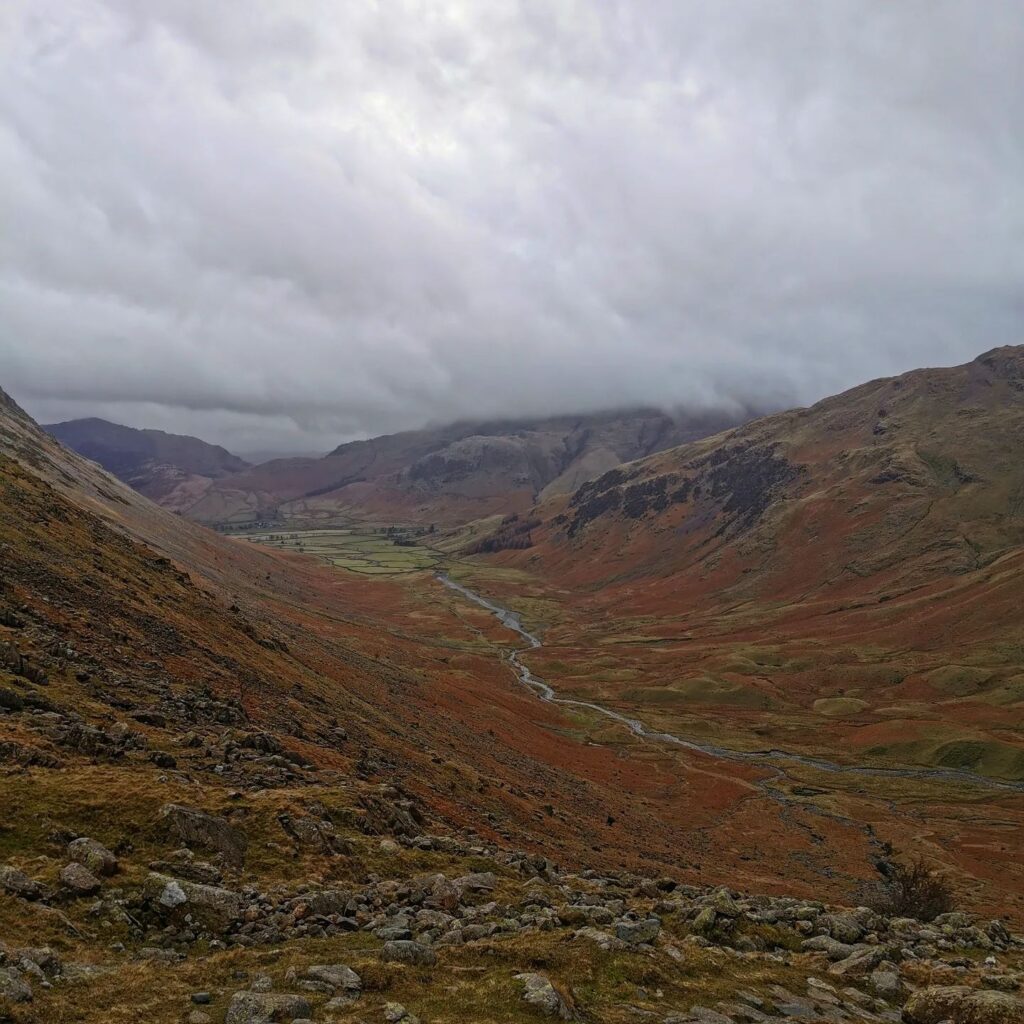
(776, 759)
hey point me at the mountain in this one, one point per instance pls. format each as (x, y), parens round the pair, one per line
(241, 786)
(448, 474)
(155, 463)
(844, 578)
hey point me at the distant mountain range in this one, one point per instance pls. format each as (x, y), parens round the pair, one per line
(447, 474)
(155, 463)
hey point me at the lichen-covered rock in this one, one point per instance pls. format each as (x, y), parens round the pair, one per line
(842, 927)
(209, 905)
(266, 1007)
(963, 1005)
(635, 932)
(17, 883)
(539, 992)
(93, 855)
(337, 976)
(13, 987)
(408, 952)
(79, 879)
(197, 828)
(396, 1013)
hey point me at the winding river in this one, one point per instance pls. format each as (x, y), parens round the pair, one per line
(777, 759)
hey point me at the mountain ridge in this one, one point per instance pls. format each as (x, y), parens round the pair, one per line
(154, 462)
(447, 474)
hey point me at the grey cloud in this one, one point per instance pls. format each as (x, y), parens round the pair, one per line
(281, 225)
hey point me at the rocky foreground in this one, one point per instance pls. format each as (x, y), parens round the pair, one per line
(494, 936)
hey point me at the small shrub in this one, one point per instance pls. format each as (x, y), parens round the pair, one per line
(912, 889)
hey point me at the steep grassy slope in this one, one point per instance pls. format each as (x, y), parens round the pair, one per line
(285, 766)
(839, 578)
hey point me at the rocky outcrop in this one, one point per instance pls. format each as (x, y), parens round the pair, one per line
(962, 1005)
(197, 828)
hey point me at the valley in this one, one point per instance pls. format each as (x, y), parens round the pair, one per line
(714, 695)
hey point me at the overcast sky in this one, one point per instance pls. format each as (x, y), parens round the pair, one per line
(278, 225)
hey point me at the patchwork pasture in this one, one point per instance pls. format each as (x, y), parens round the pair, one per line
(364, 550)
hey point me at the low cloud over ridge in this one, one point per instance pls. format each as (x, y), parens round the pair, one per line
(282, 225)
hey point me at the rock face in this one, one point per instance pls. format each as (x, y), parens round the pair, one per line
(539, 992)
(197, 828)
(963, 1005)
(465, 469)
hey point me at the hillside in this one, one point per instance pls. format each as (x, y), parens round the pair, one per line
(155, 463)
(448, 474)
(844, 578)
(243, 787)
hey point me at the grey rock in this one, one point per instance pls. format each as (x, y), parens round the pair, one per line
(962, 1005)
(635, 932)
(408, 952)
(17, 883)
(93, 855)
(540, 993)
(704, 922)
(842, 927)
(396, 1012)
(197, 828)
(79, 879)
(832, 948)
(264, 1008)
(338, 976)
(861, 962)
(603, 940)
(886, 983)
(209, 905)
(708, 1016)
(13, 987)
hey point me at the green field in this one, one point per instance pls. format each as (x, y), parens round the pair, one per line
(358, 549)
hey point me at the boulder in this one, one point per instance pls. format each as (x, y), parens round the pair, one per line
(396, 1013)
(886, 982)
(79, 879)
(635, 932)
(13, 987)
(408, 952)
(197, 828)
(842, 927)
(93, 855)
(962, 1005)
(862, 961)
(17, 883)
(540, 993)
(319, 835)
(337, 976)
(832, 948)
(266, 1007)
(211, 906)
(704, 922)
